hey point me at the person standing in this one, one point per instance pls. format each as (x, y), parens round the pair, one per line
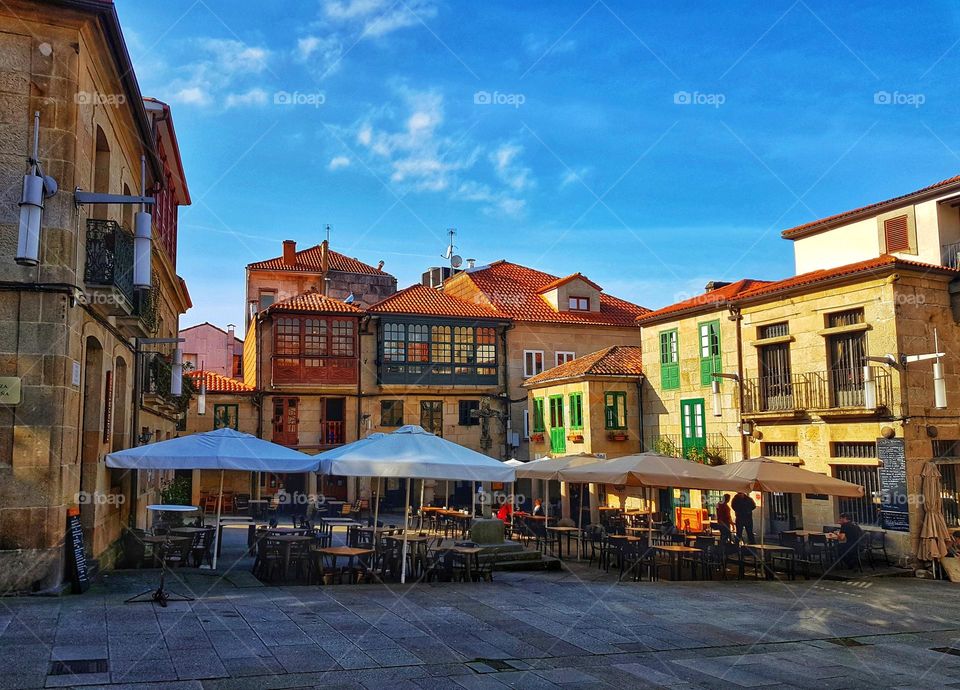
(743, 507)
(725, 519)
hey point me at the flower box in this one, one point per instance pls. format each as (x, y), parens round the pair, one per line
(575, 438)
(618, 436)
(537, 438)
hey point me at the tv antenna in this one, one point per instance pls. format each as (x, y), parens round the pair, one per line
(456, 261)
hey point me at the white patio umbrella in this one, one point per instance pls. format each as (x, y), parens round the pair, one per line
(410, 453)
(337, 452)
(223, 449)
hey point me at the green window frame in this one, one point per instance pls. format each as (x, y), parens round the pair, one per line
(708, 340)
(226, 416)
(576, 410)
(615, 410)
(670, 359)
(538, 420)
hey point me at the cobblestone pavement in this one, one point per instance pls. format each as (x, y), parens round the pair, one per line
(524, 630)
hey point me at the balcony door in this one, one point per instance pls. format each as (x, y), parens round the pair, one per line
(286, 419)
(693, 425)
(431, 416)
(776, 388)
(846, 352)
(558, 433)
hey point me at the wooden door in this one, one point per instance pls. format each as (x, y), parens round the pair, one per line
(285, 421)
(558, 432)
(693, 425)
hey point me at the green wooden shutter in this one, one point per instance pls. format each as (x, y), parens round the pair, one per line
(538, 425)
(576, 410)
(709, 344)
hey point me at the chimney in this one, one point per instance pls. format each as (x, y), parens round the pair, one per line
(471, 263)
(289, 252)
(231, 332)
(714, 285)
(380, 265)
(324, 265)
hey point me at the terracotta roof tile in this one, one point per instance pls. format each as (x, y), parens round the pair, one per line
(563, 281)
(426, 301)
(708, 301)
(515, 291)
(619, 360)
(830, 221)
(217, 383)
(314, 302)
(308, 261)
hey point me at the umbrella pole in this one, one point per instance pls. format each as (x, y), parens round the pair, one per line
(546, 502)
(473, 500)
(648, 492)
(512, 506)
(406, 526)
(376, 508)
(216, 529)
(580, 525)
(422, 485)
(446, 495)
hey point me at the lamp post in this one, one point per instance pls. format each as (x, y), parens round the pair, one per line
(900, 362)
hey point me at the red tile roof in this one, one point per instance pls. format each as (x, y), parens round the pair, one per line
(831, 221)
(563, 281)
(879, 264)
(514, 290)
(744, 290)
(426, 301)
(314, 302)
(619, 360)
(708, 301)
(308, 261)
(217, 383)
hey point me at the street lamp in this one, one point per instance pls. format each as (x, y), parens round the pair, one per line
(36, 188)
(901, 361)
(715, 389)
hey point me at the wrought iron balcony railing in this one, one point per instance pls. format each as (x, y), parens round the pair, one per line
(109, 257)
(950, 255)
(819, 390)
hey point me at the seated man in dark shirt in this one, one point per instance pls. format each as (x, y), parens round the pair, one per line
(850, 536)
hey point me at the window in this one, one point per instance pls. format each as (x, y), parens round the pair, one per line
(312, 339)
(669, 360)
(865, 510)
(709, 351)
(564, 357)
(776, 381)
(579, 303)
(225, 416)
(526, 424)
(431, 416)
(343, 338)
(391, 413)
(773, 330)
(853, 449)
(267, 297)
(849, 317)
(417, 353)
(576, 410)
(779, 449)
(615, 410)
(845, 352)
(538, 421)
(943, 448)
(896, 234)
(237, 366)
(532, 363)
(467, 410)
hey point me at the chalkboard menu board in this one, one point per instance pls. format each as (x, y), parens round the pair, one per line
(894, 504)
(75, 554)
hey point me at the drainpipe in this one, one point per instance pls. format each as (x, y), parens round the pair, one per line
(737, 317)
(364, 321)
(640, 411)
(259, 370)
(508, 422)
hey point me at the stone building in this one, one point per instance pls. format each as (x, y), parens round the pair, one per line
(315, 269)
(590, 404)
(73, 328)
(210, 348)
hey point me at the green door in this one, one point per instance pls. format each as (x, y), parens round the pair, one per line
(693, 425)
(558, 434)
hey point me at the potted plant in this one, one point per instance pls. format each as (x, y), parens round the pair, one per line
(537, 438)
(575, 437)
(617, 435)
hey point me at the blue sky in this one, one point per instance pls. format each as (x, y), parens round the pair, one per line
(651, 146)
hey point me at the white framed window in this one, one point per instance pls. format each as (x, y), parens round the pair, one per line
(526, 425)
(564, 357)
(532, 363)
(579, 303)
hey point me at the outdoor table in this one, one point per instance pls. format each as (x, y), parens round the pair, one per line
(674, 551)
(472, 554)
(804, 534)
(256, 505)
(341, 522)
(560, 531)
(349, 552)
(229, 520)
(187, 530)
(287, 540)
(287, 530)
(763, 550)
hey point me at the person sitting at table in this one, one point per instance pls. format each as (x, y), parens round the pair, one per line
(725, 519)
(953, 548)
(505, 511)
(849, 538)
(537, 507)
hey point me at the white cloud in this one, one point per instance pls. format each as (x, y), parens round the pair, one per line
(508, 170)
(322, 53)
(377, 18)
(255, 96)
(338, 162)
(220, 73)
(572, 175)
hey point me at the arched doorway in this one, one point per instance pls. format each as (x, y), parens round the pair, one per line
(91, 438)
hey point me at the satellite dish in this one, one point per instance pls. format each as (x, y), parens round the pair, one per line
(456, 261)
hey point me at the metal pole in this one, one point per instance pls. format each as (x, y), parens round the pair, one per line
(406, 527)
(376, 510)
(216, 529)
(422, 484)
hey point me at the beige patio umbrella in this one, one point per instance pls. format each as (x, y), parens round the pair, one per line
(934, 534)
(548, 469)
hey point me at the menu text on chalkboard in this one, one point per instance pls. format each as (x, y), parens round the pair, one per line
(894, 500)
(79, 574)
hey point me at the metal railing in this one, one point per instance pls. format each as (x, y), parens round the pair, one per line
(713, 449)
(950, 255)
(818, 390)
(109, 257)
